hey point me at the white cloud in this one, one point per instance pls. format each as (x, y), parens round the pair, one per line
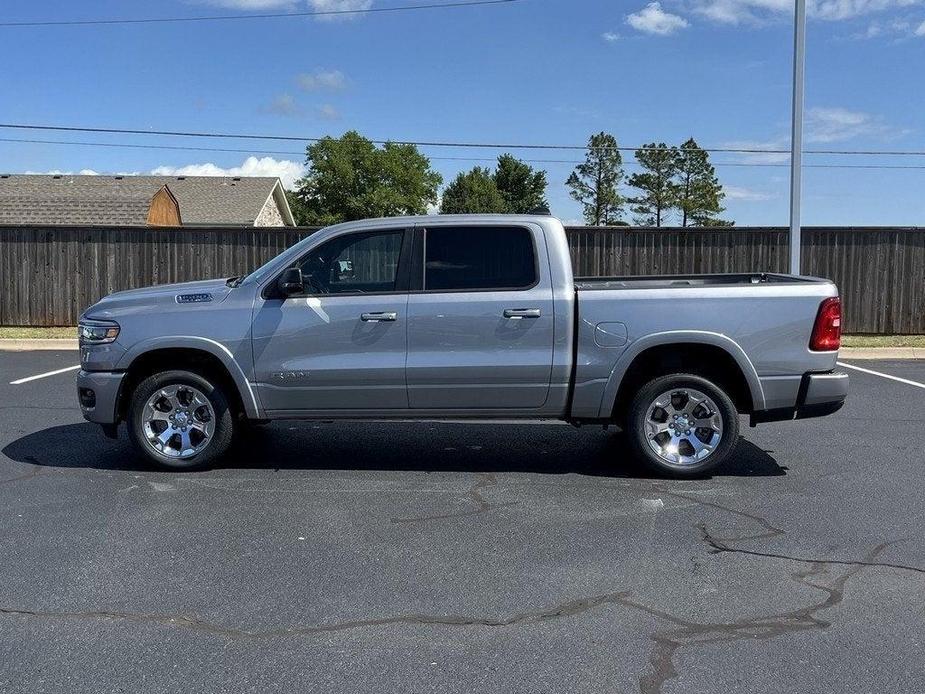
(739, 11)
(294, 5)
(58, 172)
(328, 112)
(610, 36)
(288, 171)
(839, 124)
(821, 125)
(756, 156)
(339, 6)
(848, 9)
(652, 19)
(282, 105)
(746, 194)
(920, 31)
(321, 79)
(252, 5)
(876, 29)
(759, 11)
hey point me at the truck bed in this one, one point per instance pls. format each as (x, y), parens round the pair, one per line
(665, 281)
(764, 320)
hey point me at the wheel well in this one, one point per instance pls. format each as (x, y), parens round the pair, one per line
(196, 360)
(710, 362)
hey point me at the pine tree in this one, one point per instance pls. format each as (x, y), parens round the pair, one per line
(657, 183)
(699, 191)
(595, 183)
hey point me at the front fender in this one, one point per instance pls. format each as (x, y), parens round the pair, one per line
(677, 337)
(217, 349)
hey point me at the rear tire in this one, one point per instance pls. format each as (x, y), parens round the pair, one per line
(179, 420)
(682, 425)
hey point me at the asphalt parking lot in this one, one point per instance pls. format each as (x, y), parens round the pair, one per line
(480, 558)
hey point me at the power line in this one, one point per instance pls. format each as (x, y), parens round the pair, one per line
(745, 164)
(187, 148)
(425, 143)
(269, 15)
(184, 148)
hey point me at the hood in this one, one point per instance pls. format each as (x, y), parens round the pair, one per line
(184, 295)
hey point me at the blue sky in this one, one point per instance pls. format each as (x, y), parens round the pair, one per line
(533, 71)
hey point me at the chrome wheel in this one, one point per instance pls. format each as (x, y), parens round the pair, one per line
(683, 426)
(178, 421)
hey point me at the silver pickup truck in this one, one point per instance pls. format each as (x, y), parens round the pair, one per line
(459, 317)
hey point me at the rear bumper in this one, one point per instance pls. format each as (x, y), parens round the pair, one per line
(820, 394)
(98, 395)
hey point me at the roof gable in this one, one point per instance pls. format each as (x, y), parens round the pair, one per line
(164, 210)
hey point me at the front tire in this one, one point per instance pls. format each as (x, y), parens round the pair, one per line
(682, 425)
(180, 420)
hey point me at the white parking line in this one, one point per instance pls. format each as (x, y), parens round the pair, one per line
(883, 375)
(44, 375)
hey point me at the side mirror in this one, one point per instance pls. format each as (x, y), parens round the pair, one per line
(290, 282)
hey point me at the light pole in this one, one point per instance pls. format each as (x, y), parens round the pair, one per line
(796, 134)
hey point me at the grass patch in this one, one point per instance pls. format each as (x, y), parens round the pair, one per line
(883, 341)
(37, 333)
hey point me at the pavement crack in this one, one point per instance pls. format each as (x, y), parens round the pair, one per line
(167, 620)
(719, 546)
(686, 633)
(484, 481)
(565, 609)
(769, 530)
(34, 472)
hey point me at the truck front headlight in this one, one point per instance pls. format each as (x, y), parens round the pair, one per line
(97, 332)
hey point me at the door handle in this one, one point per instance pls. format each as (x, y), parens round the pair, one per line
(518, 313)
(375, 317)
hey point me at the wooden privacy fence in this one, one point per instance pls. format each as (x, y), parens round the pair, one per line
(51, 274)
(880, 271)
(48, 275)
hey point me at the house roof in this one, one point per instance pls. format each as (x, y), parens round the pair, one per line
(124, 200)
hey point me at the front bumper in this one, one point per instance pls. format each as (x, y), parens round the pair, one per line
(98, 394)
(820, 394)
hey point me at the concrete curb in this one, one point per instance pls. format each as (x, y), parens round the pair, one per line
(44, 344)
(882, 353)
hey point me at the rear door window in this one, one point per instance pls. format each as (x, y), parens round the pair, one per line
(478, 258)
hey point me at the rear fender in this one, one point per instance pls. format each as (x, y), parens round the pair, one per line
(639, 346)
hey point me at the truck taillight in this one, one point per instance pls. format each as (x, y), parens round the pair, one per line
(827, 330)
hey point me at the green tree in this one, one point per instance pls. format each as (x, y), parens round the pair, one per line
(350, 178)
(595, 183)
(298, 208)
(699, 191)
(472, 191)
(656, 182)
(522, 188)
